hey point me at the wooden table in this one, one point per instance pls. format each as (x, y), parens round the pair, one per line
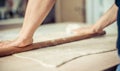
(95, 62)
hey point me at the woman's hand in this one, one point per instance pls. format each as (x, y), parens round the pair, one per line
(86, 30)
(16, 43)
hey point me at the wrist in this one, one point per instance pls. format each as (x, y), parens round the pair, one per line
(24, 38)
(21, 42)
(96, 29)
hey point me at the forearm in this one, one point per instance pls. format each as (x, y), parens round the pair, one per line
(108, 18)
(36, 12)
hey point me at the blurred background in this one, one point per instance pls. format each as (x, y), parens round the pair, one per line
(81, 11)
(63, 14)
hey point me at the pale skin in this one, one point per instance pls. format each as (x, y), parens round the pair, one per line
(107, 19)
(37, 11)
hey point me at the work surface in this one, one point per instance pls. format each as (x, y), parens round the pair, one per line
(95, 54)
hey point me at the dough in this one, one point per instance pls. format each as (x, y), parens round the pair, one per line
(12, 50)
(56, 56)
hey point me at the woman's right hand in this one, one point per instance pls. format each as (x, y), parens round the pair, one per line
(86, 30)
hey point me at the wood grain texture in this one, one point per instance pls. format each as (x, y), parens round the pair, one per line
(12, 50)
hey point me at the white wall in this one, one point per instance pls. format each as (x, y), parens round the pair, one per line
(95, 8)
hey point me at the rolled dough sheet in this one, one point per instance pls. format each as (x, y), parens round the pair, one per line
(58, 55)
(4, 51)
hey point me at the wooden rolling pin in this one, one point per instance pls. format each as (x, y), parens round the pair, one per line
(13, 50)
